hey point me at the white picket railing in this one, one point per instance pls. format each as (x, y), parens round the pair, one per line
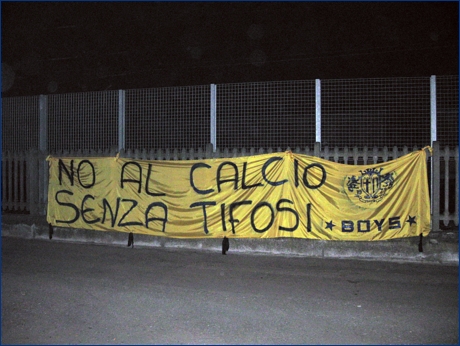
(25, 174)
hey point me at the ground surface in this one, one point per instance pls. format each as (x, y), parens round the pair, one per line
(56, 292)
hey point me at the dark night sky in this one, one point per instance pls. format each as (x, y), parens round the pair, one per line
(59, 47)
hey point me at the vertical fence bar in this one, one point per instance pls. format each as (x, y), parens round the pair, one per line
(456, 186)
(32, 182)
(4, 181)
(41, 181)
(14, 180)
(433, 127)
(318, 111)
(213, 116)
(121, 119)
(6, 159)
(433, 108)
(446, 185)
(435, 186)
(21, 178)
(10, 181)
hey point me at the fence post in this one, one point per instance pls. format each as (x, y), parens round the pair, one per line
(121, 119)
(33, 182)
(318, 111)
(456, 186)
(38, 163)
(5, 200)
(317, 150)
(433, 127)
(43, 182)
(213, 115)
(433, 108)
(10, 180)
(435, 186)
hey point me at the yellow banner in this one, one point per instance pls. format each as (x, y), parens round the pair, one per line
(262, 196)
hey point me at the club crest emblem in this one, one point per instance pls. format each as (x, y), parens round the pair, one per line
(371, 186)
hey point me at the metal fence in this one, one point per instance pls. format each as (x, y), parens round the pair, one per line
(447, 110)
(20, 123)
(167, 117)
(376, 112)
(81, 120)
(269, 114)
(25, 178)
(410, 112)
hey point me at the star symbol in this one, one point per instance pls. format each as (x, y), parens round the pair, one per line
(329, 225)
(411, 220)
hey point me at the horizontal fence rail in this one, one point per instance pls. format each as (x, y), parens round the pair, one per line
(25, 179)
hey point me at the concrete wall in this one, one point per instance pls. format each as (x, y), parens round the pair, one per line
(437, 248)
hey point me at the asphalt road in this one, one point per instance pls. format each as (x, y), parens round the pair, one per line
(62, 293)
